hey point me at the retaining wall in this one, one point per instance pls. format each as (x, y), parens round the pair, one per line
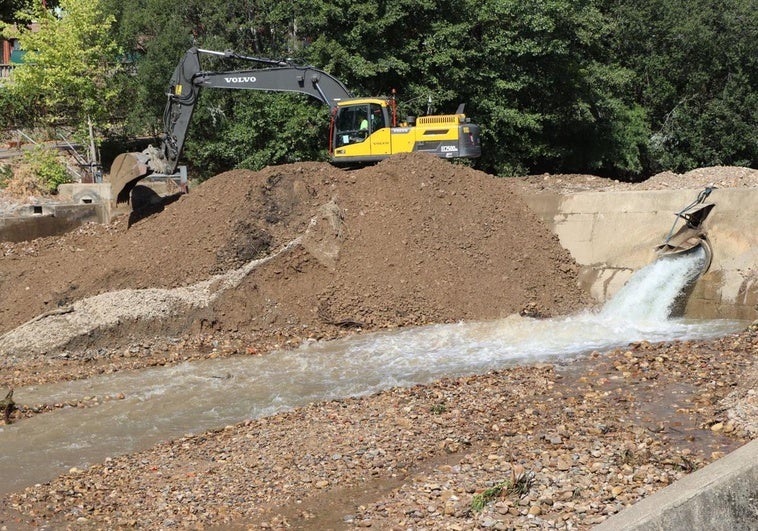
(613, 234)
(722, 496)
(37, 221)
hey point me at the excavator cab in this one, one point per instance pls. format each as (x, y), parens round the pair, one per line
(360, 130)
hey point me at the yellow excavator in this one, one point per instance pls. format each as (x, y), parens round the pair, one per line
(362, 130)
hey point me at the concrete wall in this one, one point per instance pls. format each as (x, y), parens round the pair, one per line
(79, 203)
(89, 193)
(149, 190)
(612, 234)
(723, 496)
(31, 222)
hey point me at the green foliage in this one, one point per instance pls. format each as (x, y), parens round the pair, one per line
(616, 88)
(717, 131)
(6, 174)
(153, 37)
(39, 172)
(481, 499)
(253, 130)
(697, 66)
(438, 409)
(68, 61)
(17, 110)
(46, 166)
(535, 76)
(554, 98)
(519, 484)
(9, 8)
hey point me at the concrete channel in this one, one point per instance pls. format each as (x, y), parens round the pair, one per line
(613, 234)
(722, 496)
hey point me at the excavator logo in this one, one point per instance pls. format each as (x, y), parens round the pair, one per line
(246, 79)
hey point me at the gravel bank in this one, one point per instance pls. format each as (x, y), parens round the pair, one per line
(583, 440)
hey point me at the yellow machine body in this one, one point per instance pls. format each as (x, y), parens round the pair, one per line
(363, 131)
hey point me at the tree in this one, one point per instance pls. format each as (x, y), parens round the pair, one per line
(697, 71)
(153, 35)
(602, 86)
(535, 75)
(9, 8)
(69, 63)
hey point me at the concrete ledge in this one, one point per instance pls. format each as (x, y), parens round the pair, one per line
(39, 221)
(723, 496)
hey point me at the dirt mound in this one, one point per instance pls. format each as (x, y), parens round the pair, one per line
(718, 176)
(411, 240)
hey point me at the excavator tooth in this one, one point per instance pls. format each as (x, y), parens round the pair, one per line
(126, 170)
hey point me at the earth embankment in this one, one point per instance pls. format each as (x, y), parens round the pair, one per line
(410, 241)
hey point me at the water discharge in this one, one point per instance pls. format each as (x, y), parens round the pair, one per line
(165, 403)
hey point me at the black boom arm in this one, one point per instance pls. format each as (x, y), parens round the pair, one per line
(189, 79)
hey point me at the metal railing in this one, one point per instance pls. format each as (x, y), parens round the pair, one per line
(5, 70)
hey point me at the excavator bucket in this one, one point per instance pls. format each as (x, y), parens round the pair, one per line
(126, 170)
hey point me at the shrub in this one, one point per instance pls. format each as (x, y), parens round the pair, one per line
(45, 164)
(6, 174)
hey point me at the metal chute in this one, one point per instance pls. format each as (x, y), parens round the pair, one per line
(692, 234)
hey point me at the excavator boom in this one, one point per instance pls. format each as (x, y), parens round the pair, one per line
(184, 89)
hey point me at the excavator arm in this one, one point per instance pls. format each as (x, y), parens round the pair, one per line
(184, 89)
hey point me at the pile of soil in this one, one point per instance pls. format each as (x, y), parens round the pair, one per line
(713, 176)
(409, 241)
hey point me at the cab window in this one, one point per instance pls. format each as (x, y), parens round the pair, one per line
(353, 124)
(376, 117)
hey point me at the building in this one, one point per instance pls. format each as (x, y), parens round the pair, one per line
(12, 54)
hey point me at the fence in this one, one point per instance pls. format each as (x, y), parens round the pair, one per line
(5, 70)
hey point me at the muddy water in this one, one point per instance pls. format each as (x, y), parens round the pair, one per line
(164, 403)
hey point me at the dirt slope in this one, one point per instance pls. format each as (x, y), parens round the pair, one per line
(412, 240)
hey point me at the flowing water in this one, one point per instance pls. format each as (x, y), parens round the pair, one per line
(168, 402)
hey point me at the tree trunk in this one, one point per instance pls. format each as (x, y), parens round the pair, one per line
(92, 150)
